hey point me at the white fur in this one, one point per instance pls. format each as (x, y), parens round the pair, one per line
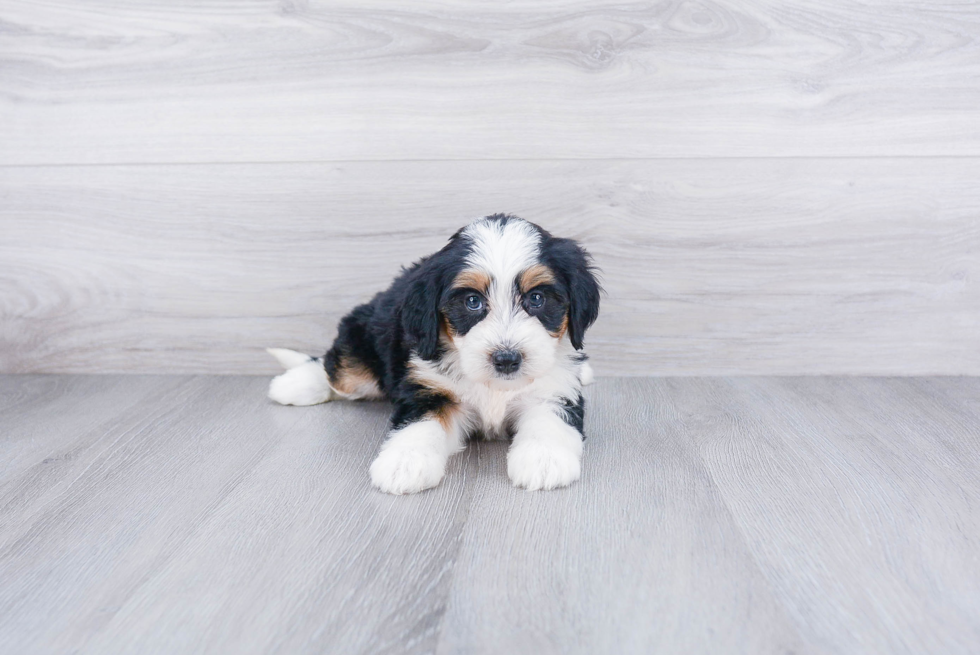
(490, 406)
(414, 458)
(303, 383)
(546, 452)
(289, 358)
(504, 252)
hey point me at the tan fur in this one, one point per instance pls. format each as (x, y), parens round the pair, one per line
(353, 380)
(535, 276)
(446, 331)
(429, 382)
(445, 414)
(470, 279)
(561, 328)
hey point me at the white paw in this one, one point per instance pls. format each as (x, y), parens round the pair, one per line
(534, 464)
(585, 374)
(303, 385)
(407, 470)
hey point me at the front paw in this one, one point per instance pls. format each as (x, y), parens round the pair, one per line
(407, 470)
(536, 465)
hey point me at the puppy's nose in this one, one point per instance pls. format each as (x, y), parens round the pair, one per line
(506, 361)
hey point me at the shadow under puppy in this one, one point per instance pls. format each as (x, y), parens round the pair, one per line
(480, 340)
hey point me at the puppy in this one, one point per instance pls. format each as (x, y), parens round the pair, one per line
(483, 339)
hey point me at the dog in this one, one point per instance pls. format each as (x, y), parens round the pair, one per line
(482, 340)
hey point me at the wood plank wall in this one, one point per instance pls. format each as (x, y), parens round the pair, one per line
(768, 187)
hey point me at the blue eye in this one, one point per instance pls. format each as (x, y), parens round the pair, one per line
(535, 300)
(474, 303)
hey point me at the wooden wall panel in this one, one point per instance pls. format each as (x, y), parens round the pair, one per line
(160, 81)
(776, 266)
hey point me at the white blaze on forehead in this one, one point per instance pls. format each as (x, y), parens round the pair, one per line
(503, 251)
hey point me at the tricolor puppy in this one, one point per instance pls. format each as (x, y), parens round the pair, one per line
(480, 340)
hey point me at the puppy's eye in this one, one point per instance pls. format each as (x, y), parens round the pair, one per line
(535, 300)
(474, 303)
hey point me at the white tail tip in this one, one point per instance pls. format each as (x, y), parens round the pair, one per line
(288, 358)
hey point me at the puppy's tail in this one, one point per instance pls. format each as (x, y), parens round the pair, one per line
(304, 382)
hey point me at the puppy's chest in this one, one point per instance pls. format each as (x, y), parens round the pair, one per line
(490, 413)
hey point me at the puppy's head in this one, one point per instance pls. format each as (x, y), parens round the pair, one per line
(504, 297)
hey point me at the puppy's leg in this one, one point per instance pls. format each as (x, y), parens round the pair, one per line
(341, 373)
(414, 457)
(547, 448)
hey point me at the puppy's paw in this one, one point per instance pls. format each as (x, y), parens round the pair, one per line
(406, 470)
(543, 465)
(303, 385)
(585, 374)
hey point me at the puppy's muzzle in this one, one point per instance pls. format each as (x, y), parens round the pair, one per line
(506, 362)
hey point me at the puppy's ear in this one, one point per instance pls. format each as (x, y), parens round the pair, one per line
(584, 295)
(420, 318)
(575, 265)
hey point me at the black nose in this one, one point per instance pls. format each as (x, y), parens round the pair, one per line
(506, 361)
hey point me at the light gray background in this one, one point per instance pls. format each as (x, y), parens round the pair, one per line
(769, 188)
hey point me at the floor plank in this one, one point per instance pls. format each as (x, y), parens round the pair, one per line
(109, 82)
(715, 515)
(860, 266)
(869, 545)
(642, 556)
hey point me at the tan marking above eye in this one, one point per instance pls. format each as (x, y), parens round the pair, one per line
(471, 279)
(535, 276)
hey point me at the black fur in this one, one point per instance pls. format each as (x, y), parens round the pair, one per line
(552, 312)
(460, 317)
(574, 413)
(382, 334)
(413, 401)
(576, 280)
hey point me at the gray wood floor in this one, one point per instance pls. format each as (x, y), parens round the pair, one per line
(715, 515)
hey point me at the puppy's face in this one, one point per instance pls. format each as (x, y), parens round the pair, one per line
(506, 329)
(509, 309)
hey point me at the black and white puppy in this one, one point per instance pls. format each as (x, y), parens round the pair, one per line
(480, 340)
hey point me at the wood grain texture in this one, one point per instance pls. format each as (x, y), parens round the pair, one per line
(111, 82)
(845, 266)
(724, 515)
(811, 467)
(641, 556)
(207, 490)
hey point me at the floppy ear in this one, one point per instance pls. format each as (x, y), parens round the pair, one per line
(583, 288)
(420, 318)
(584, 295)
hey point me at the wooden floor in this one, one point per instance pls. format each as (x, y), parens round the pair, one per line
(179, 514)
